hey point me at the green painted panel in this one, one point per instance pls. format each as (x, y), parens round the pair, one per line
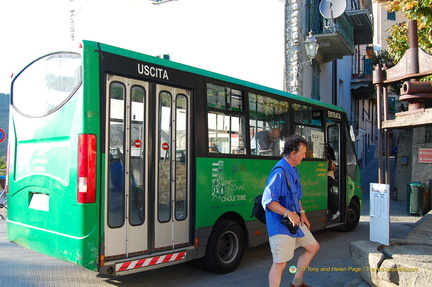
(43, 213)
(231, 185)
(313, 175)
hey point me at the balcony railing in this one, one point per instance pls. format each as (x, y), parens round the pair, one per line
(361, 81)
(346, 29)
(362, 68)
(336, 39)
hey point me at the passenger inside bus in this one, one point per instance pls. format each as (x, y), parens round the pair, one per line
(116, 191)
(116, 171)
(332, 196)
(213, 148)
(266, 143)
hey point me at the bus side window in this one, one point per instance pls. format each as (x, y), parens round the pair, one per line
(226, 120)
(269, 125)
(351, 160)
(309, 125)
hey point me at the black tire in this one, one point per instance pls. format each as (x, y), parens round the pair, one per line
(225, 247)
(352, 216)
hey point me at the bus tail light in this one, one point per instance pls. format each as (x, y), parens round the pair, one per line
(86, 168)
(102, 260)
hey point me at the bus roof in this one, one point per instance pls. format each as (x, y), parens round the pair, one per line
(182, 67)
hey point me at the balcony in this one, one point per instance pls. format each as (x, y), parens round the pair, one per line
(361, 81)
(338, 37)
(363, 26)
(362, 68)
(336, 40)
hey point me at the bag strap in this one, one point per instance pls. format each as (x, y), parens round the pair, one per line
(288, 184)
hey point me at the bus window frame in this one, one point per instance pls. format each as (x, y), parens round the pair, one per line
(320, 127)
(122, 160)
(243, 114)
(288, 125)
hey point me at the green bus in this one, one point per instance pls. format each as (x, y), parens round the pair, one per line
(122, 162)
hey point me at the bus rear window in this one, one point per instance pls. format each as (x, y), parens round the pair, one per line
(47, 83)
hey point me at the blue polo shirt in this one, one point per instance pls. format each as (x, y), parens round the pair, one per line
(277, 190)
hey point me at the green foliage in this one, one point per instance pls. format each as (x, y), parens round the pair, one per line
(383, 57)
(3, 162)
(420, 10)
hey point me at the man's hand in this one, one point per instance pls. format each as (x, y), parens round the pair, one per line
(294, 218)
(305, 220)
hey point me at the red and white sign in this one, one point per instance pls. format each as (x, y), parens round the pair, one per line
(137, 143)
(150, 261)
(2, 135)
(425, 155)
(165, 146)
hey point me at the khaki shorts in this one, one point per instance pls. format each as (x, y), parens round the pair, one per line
(282, 246)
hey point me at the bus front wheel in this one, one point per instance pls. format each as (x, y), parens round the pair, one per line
(225, 247)
(352, 216)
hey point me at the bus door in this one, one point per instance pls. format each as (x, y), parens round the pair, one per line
(333, 149)
(147, 197)
(171, 201)
(126, 192)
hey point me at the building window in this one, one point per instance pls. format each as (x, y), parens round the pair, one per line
(314, 20)
(391, 16)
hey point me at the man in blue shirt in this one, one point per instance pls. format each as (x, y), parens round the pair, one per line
(281, 199)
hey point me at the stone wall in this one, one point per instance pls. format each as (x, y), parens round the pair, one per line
(409, 143)
(403, 172)
(293, 42)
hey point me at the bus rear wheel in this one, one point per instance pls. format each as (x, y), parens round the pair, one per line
(225, 247)
(352, 216)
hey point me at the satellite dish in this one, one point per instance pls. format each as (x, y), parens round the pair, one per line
(331, 9)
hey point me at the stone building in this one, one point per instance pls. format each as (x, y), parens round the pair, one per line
(341, 73)
(410, 135)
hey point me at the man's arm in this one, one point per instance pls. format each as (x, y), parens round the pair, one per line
(279, 209)
(303, 216)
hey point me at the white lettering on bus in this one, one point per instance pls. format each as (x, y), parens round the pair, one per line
(152, 72)
(334, 115)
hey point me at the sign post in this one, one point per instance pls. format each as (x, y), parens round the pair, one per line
(380, 213)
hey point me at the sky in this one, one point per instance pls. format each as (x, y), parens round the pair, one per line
(238, 38)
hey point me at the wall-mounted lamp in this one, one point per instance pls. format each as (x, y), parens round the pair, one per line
(311, 45)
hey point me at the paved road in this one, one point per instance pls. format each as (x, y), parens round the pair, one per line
(22, 267)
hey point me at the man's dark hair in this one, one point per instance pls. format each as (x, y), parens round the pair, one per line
(292, 143)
